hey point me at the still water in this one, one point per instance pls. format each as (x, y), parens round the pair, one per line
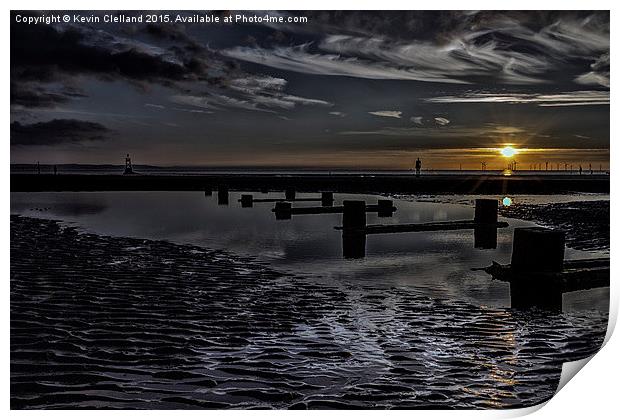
(436, 263)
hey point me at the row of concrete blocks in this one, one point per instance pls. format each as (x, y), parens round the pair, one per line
(535, 249)
(354, 214)
(384, 208)
(327, 198)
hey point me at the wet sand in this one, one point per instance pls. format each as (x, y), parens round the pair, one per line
(586, 223)
(107, 322)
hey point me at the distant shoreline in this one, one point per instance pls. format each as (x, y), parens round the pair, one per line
(108, 169)
(343, 183)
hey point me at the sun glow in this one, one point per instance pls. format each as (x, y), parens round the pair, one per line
(508, 151)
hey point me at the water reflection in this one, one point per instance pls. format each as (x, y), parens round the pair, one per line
(353, 245)
(485, 237)
(437, 263)
(222, 196)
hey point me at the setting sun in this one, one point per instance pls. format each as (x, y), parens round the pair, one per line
(508, 151)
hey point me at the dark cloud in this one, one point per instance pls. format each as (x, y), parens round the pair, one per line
(54, 132)
(44, 54)
(37, 96)
(39, 52)
(163, 54)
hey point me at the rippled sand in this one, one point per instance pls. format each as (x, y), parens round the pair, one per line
(126, 323)
(586, 223)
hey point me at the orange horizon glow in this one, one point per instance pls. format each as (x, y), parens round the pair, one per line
(440, 159)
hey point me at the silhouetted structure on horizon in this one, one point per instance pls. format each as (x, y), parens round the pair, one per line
(128, 167)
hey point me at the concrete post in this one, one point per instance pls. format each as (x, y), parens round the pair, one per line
(486, 211)
(247, 200)
(222, 196)
(327, 199)
(289, 193)
(536, 249)
(354, 215)
(283, 210)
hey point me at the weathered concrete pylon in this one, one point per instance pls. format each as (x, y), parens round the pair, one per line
(247, 200)
(222, 195)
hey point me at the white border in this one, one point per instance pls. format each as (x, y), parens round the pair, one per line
(592, 395)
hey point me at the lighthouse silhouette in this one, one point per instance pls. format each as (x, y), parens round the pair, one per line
(128, 168)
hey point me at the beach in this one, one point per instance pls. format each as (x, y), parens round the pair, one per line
(586, 223)
(113, 322)
(178, 299)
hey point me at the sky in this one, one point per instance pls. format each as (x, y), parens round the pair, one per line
(342, 89)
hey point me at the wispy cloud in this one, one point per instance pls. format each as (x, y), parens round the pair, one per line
(442, 121)
(299, 59)
(257, 84)
(338, 114)
(388, 114)
(269, 92)
(193, 110)
(417, 120)
(450, 62)
(215, 102)
(445, 132)
(576, 98)
(472, 50)
(253, 93)
(181, 99)
(593, 78)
